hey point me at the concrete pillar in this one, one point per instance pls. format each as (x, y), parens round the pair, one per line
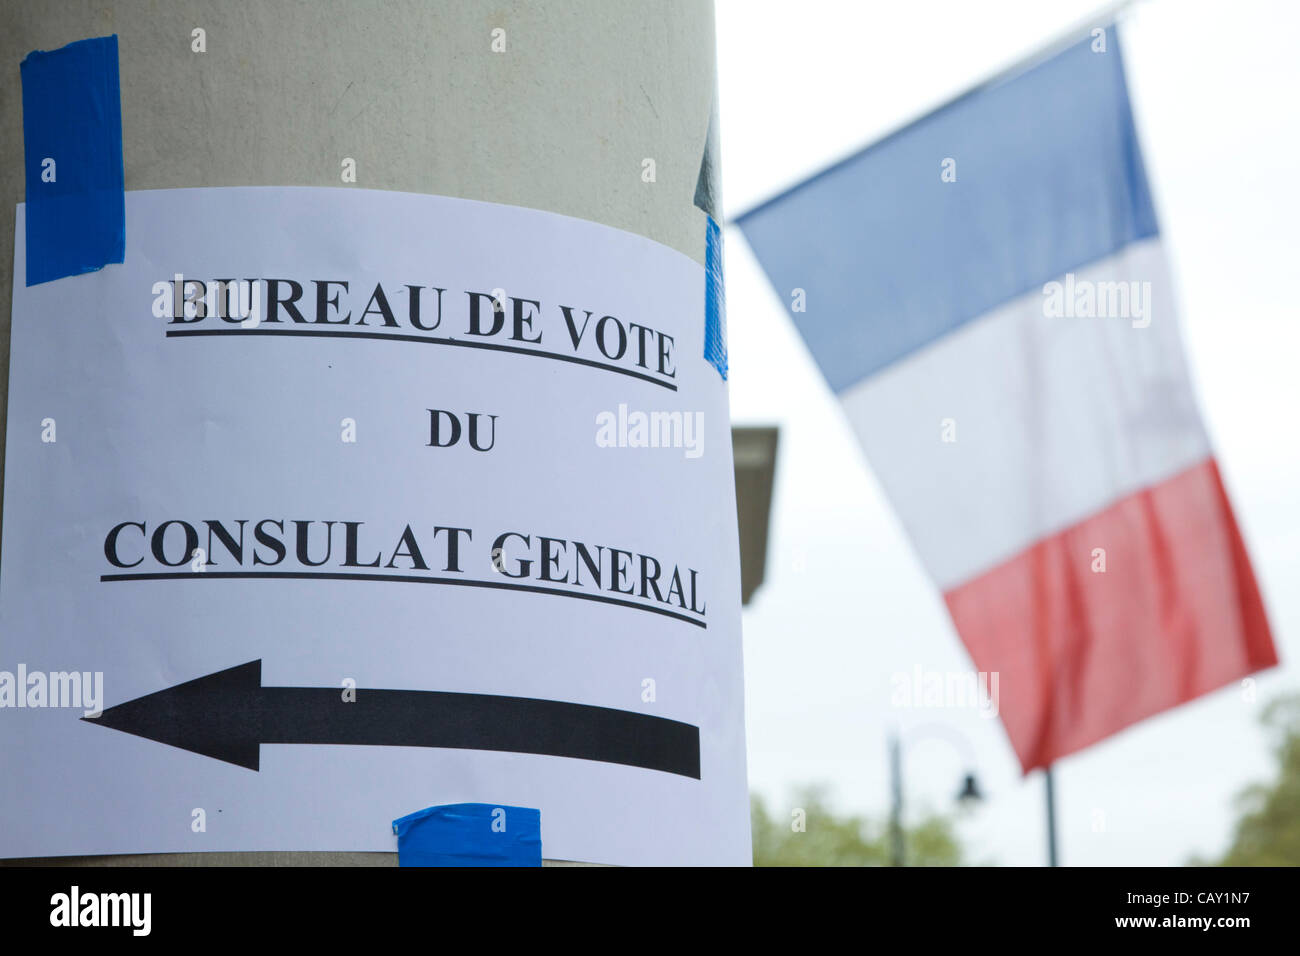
(412, 90)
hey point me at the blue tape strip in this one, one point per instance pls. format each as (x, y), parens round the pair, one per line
(470, 834)
(72, 139)
(715, 303)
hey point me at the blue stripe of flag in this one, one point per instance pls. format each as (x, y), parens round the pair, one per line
(1049, 177)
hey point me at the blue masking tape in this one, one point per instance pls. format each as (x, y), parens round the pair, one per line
(715, 303)
(72, 141)
(470, 834)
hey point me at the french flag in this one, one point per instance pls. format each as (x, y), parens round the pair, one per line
(987, 293)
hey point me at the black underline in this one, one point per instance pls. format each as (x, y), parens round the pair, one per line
(428, 340)
(403, 578)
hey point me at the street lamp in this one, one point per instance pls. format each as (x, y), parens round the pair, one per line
(970, 792)
(968, 796)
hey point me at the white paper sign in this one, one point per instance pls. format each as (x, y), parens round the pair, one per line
(456, 474)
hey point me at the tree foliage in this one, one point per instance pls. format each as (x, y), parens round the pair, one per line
(1268, 830)
(830, 840)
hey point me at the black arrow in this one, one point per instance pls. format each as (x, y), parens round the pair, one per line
(229, 715)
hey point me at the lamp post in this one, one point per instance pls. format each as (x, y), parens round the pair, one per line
(968, 795)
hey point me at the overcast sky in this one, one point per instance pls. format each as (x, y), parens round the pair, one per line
(846, 604)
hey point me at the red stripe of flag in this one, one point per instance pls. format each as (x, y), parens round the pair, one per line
(1082, 654)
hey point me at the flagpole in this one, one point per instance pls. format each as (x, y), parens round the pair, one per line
(1051, 816)
(896, 851)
